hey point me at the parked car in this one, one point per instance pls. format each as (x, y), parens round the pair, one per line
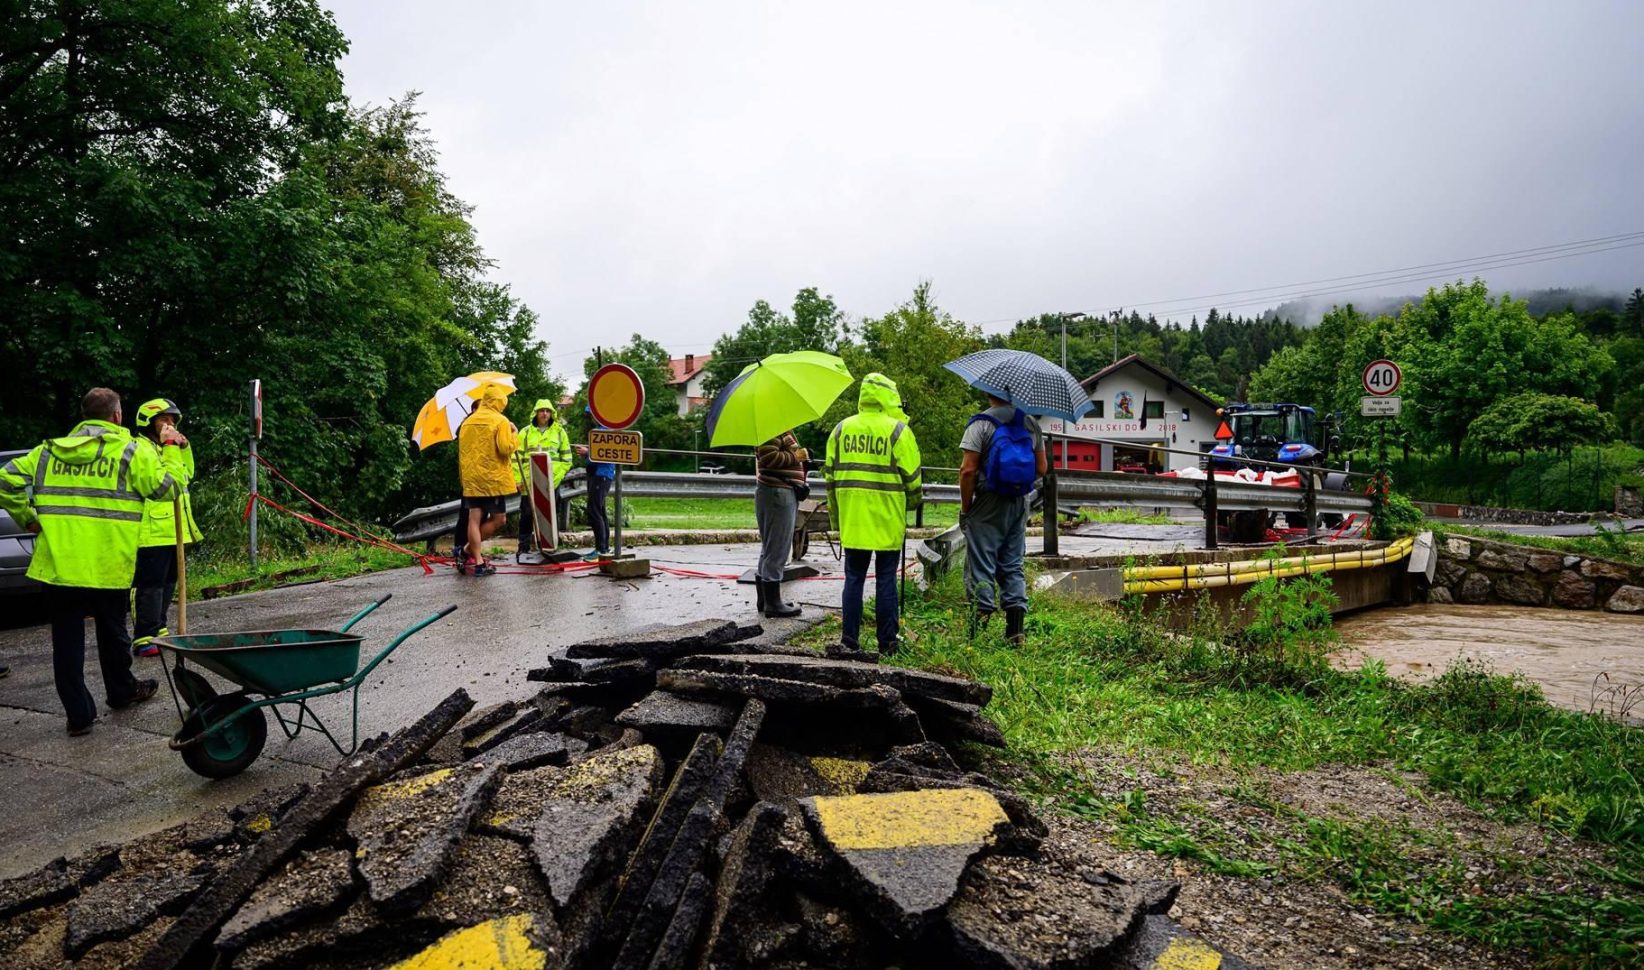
(16, 549)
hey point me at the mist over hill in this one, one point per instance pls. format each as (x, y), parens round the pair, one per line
(1308, 312)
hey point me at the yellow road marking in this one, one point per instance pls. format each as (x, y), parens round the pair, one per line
(409, 788)
(943, 816)
(499, 944)
(1184, 954)
(844, 774)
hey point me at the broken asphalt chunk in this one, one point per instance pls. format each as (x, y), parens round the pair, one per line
(743, 875)
(690, 846)
(662, 711)
(234, 883)
(527, 718)
(311, 884)
(845, 674)
(126, 902)
(664, 643)
(1021, 914)
(509, 943)
(523, 752)
(690, 780)
(56, 881)
(674, 952)
(776, 690)
(907, 851)
(590, 817)
(1161, 942)
(408, 829)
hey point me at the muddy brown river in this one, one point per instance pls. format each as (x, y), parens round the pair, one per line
(1564, 651)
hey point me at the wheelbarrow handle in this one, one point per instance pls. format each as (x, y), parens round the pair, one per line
(367, 611)
(405, 634)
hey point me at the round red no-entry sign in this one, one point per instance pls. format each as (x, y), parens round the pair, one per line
(616, 396)
(1382, 377)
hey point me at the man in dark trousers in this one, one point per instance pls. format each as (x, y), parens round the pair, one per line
(993, 509)
(87, 510)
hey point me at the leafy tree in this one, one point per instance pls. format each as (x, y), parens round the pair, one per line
(1463, 351)
(186, 202)
(1534, 422)
(909, 345)
(816, 323)
(128, 130)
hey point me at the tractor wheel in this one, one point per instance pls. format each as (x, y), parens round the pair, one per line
(229, 751)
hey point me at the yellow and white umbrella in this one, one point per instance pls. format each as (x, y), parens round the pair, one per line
(439, 418)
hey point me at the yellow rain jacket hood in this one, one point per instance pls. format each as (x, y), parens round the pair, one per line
(553, 440)
(486, 443)
(872, 469)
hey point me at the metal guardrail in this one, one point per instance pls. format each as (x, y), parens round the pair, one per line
(1073, 488)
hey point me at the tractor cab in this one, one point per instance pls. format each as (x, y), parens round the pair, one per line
(1285, 433)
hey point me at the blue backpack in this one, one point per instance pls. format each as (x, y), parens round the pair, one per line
(1011, 464)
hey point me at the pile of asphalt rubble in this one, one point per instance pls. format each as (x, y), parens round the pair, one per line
(676, 798)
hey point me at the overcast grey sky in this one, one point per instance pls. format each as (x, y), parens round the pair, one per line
(658, 167)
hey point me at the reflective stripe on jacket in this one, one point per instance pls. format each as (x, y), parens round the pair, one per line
(551, 439)
(872, 470)
(485, 450)
(159, 518)
(88, 490)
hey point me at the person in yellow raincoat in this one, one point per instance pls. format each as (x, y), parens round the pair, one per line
(486, 443)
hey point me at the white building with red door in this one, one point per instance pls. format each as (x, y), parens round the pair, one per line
(1176, 416)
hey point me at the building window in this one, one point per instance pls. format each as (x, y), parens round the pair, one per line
(1153, 409)
(1096, 411)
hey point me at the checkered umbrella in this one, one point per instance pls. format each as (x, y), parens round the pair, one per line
(1026, 380)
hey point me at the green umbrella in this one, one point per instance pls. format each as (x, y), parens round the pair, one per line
(777, 394)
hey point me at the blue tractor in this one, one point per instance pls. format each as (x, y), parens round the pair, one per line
(1289, 434)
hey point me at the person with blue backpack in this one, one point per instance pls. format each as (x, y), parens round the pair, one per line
(1002, 454)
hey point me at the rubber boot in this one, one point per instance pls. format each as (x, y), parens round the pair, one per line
(1015, 620)
(759, 587)
(774, 607)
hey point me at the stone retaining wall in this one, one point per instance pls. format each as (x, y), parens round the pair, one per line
(1489, 513)
(1473, 570)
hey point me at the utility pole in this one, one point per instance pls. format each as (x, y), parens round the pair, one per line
(1076, 315)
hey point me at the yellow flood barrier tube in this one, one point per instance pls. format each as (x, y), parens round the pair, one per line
(1171, 579)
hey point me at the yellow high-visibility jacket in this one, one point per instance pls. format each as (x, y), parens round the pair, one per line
(872, 470)
(88, 490)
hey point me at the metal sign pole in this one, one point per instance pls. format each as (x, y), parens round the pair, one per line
(256, 432)
(617, 487)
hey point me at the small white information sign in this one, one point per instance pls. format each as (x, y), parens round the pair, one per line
(1381, 407)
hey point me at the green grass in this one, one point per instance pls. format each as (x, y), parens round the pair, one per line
(1104, 678)
(1124, 516)
(1611, 543)
(329, 561)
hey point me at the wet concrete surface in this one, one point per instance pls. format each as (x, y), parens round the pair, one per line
(1563, 651)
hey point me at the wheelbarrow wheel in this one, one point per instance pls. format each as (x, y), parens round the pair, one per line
(229, 751)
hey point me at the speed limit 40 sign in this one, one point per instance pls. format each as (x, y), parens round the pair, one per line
(1382, 377)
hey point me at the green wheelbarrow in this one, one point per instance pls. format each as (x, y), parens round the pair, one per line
(223, 733)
